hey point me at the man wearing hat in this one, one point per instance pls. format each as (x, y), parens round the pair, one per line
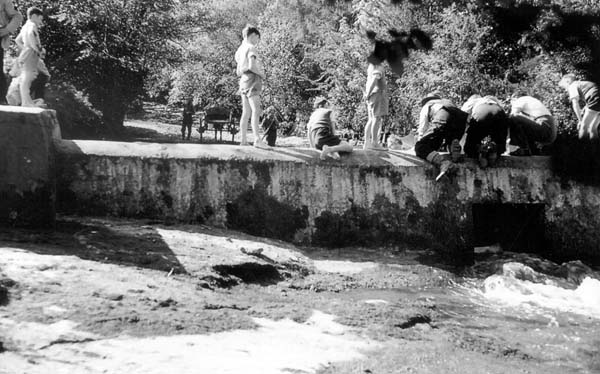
(321, 132)
(441, 124)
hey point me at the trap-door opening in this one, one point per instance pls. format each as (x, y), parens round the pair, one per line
(516, 227)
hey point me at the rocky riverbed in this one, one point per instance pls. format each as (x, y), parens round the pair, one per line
(124, 296)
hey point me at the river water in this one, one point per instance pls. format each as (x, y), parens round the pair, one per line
(548, 319)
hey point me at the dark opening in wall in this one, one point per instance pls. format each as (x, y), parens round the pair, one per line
(516, 227)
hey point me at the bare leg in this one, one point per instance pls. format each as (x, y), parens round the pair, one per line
(333, 150)
(594, 124)
(368, 131)
(375, 132)
(25, 87)
(255, 104)
(246, 111)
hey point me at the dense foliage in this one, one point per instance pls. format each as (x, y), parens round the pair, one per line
(114, 52)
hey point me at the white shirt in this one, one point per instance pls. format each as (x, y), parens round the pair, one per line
(529, 106)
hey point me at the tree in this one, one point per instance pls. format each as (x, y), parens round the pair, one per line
(106, 49)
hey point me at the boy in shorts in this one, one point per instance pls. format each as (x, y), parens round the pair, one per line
(29, 43)
(588, 118)
(321, 132)
(251, 73)
(377, 98)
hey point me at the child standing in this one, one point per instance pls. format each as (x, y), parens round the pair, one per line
(376, 95)
(589, 117)
(251, 73)
(28, 41)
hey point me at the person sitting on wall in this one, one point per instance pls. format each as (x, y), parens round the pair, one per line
(442, 125)
(588, 118)
(487, 129)
(321, 132)
(531, 124)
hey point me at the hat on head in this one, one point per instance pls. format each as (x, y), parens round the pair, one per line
(435, 95)
(319, 100)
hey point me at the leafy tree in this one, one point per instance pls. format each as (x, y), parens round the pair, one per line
(106, 49)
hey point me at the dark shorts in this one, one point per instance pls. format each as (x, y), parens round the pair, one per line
(592, 99)
(322, 136)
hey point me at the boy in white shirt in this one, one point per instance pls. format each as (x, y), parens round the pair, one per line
(28, 41)
(377, 98)
(531, 124)
(588, 118)
(251, 73)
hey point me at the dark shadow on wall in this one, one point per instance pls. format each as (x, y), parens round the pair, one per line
(577, 160)
(122, 244)
(254, 212)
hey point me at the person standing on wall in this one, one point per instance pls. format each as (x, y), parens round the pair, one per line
(251, 72)
(589, 117)
(29, 43)
(10, 20)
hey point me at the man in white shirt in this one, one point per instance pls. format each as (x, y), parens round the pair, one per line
(531, 124)
(29, 43)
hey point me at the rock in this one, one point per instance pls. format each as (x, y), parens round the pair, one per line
(575, 271)
(114, 296)
(3, 295)
(166, 303)
(252, 251)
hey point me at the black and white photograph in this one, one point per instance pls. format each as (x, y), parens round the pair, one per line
(299, 186)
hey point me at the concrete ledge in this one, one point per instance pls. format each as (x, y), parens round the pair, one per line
(289, 193)
(27, 168)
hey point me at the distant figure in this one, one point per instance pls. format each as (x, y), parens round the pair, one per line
(29, 43)
(587, 92)
(10, 20)
(321, 132)
(251, 73)
(531, 124)
(270, 124)
(444, 125)
(487, 119)
(377, 98)
(187, 119)
(13, 96)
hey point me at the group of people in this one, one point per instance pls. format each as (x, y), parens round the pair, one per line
(481, 126)
(29, 73)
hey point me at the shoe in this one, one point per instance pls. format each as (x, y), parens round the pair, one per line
(324, 152)
(260, 144)
(455, 150)
(521, 152)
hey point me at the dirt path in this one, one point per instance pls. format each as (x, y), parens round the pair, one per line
(121, 296)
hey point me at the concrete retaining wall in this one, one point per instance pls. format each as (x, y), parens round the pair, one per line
(27, 168)
(366, 198)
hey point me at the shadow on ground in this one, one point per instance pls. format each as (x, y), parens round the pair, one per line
(122, 244)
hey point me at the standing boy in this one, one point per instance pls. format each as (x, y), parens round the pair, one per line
(28, 41)
(376, 95)
(251, 73)
(588, 118)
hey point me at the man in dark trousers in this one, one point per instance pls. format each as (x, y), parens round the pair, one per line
(10, 20)
(443, 124)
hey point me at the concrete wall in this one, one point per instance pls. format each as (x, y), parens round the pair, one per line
(368, 197)
(27, 169)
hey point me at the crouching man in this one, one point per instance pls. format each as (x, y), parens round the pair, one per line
(442, 124)
(531, 125)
